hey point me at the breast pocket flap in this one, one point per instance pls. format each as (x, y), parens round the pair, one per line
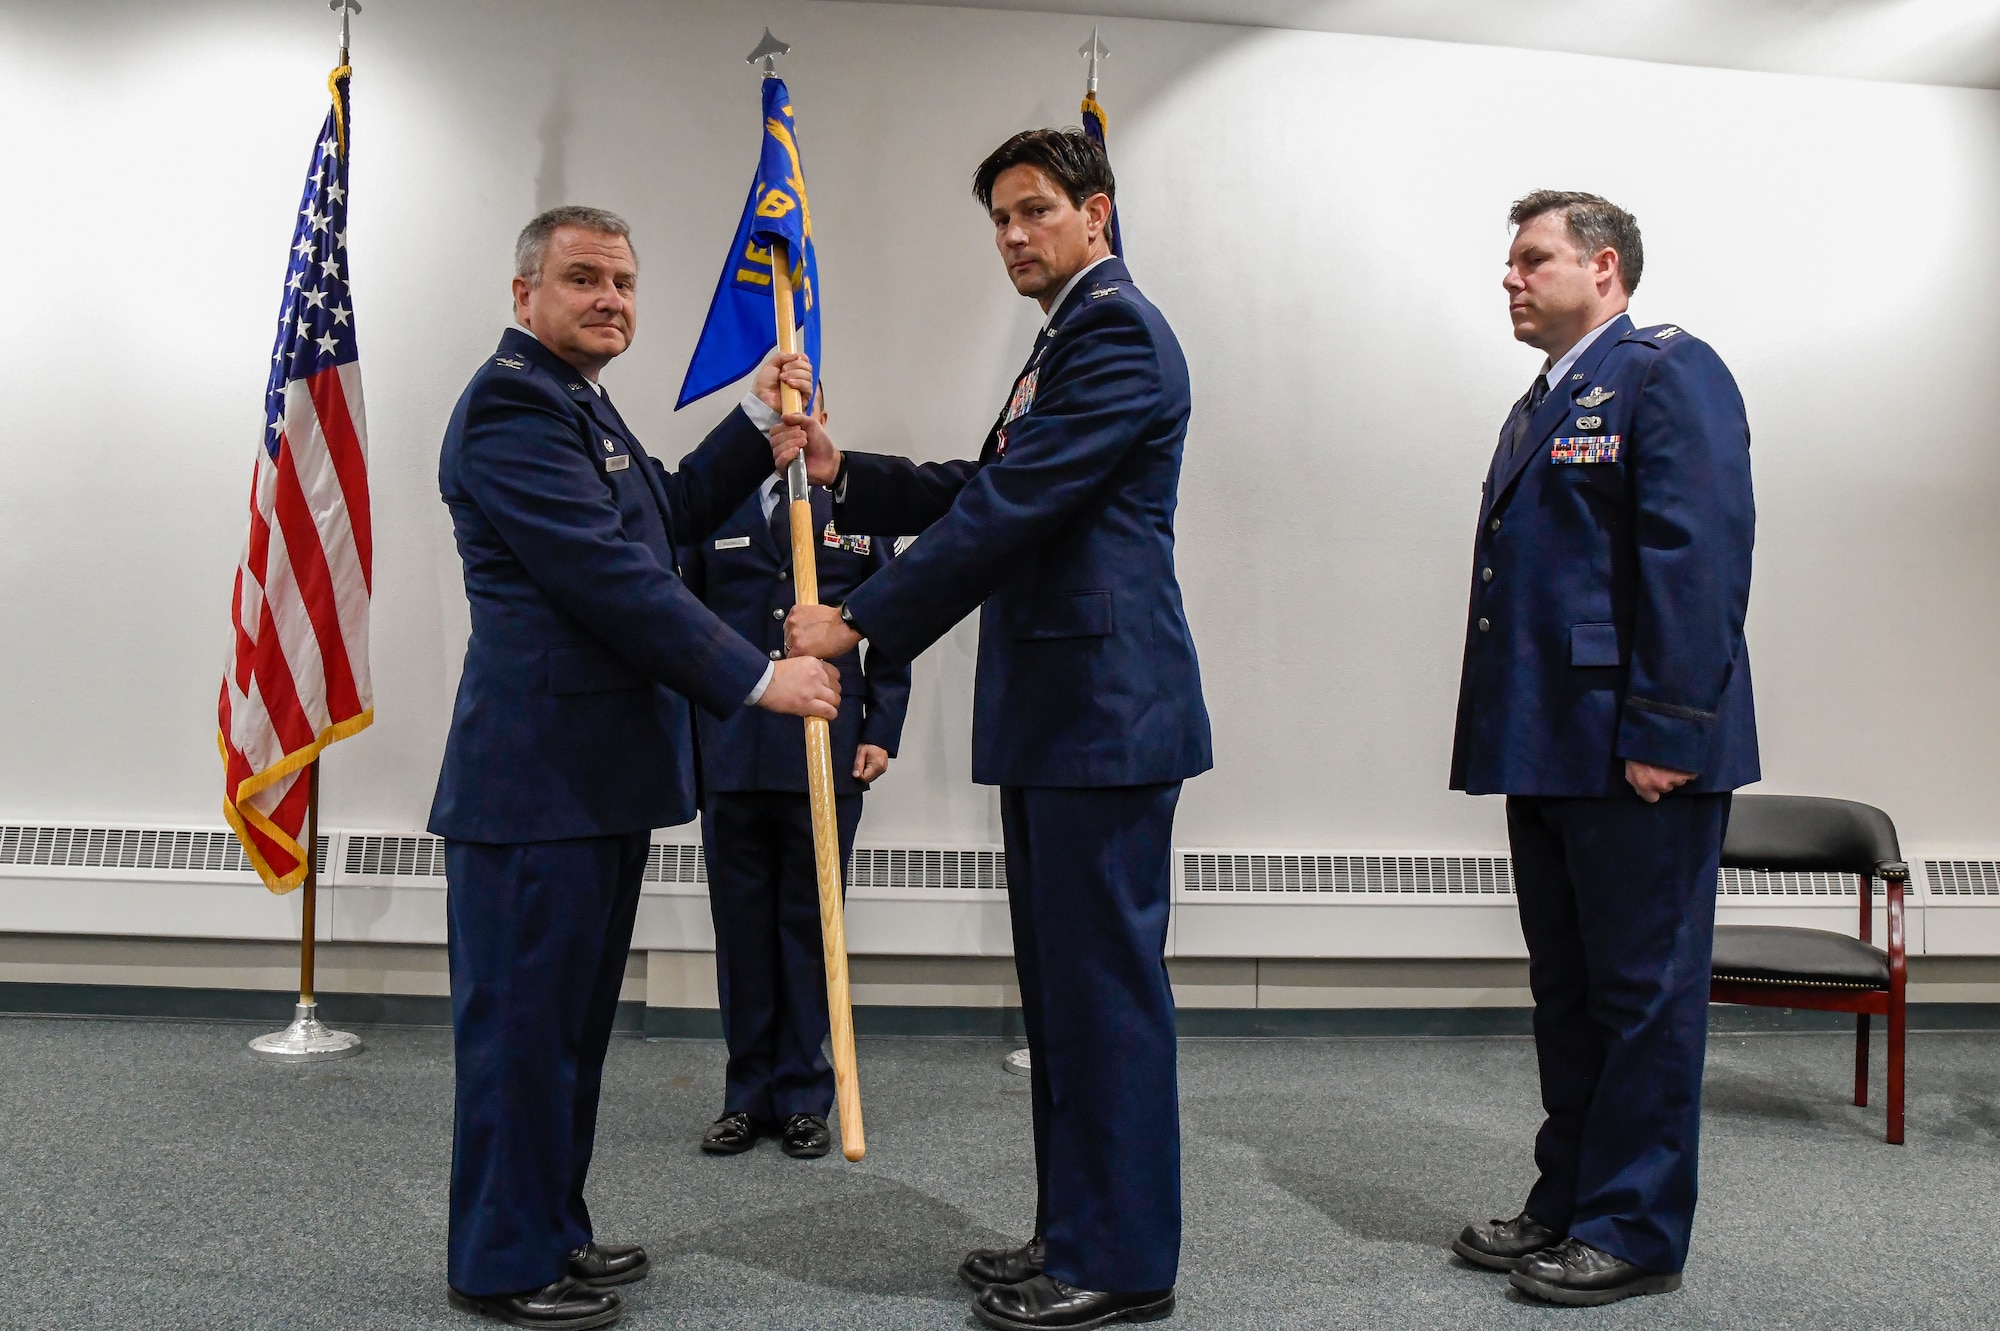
(1071, 615)
(582, 670)
(1594, 645)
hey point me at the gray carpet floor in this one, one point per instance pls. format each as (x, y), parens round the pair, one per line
(153, 1176)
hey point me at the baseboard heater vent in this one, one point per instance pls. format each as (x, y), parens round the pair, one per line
(1964, 878)
(1757, 883)
(372, 856)
(879, 867)
(1424, 875)
(142, 848)
(681, 864)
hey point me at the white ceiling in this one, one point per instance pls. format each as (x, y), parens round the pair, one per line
(1953, 42)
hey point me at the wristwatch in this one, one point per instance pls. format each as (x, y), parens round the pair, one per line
(847, 618)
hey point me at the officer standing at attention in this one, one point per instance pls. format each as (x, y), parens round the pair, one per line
(1087, 714)
(756, 822)
(568, 744)
(1606, 693)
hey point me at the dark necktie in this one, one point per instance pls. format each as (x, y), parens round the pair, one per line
(1537, 391)
(781, 523)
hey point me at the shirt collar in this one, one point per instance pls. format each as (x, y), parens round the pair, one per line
(1553, 375)
(1070, 286)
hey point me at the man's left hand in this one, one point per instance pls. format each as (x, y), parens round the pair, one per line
(790, 368)
(1652, 782)
(816, 630)
(870, 761)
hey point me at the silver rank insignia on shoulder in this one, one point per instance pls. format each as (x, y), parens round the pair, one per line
(1596, 397)
(1099, 293)
(510, 362)
(1589, 422)
(1665, 333)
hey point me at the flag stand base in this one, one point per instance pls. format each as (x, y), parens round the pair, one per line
(306, 1040)
(1017, 1063)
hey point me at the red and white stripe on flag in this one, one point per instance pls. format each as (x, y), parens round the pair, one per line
(297, 676)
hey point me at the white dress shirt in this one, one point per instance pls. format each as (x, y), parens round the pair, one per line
(1553, 376)
(1070, 286)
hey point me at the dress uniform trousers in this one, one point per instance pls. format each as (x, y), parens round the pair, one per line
(770, 963)
(1617, 901)
(539, 933)
(1088, 885)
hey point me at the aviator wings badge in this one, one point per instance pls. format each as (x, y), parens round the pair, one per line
(1596, 397)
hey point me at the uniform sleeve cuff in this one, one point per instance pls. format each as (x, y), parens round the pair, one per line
(770, 672)
(760, 414)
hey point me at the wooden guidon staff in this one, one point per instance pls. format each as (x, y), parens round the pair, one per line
(819, 754)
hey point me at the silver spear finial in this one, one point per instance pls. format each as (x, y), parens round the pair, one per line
(768, 51)
(344, 8)
(1093, 51)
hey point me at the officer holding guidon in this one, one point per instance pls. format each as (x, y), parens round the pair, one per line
(756, 824)
(1087, 714)
(1606, 693)
(569, 743)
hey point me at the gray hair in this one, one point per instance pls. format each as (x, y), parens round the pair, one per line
(1594, 224)
(532, 248)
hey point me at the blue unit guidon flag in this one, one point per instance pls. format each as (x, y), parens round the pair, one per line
(1094, 125)
(740, 329)
(297, 675)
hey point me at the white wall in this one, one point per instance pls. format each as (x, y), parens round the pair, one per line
(1320, 215)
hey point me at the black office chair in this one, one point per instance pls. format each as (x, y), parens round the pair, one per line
(1773, 966)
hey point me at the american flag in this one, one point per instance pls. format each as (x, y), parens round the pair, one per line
(297, 676)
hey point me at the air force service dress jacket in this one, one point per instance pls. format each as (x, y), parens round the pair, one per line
(1610, 580)
(1064, 530)
(572, 713)
(744, 574)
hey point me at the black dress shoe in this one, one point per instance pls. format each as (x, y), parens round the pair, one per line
(1577, 1274)
(732, 1134)
(599, 1265)
(1499, 1245)
(805, 1137)
(566, 1305)
(1044, 1302)
(984, 1268)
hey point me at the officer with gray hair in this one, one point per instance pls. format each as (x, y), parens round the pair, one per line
(569, 743)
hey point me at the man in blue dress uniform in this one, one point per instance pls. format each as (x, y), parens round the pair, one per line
(568, 744)
(1606, 693)
(1087, 714)
(756, 822)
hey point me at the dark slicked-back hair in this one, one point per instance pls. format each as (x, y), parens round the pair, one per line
(1594, 223)
(1066, 156)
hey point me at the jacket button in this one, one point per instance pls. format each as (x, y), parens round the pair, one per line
(1493, 525)
(1484, 625)
(779, 613)
(784, 575)
(1486, 575)
(778, 655)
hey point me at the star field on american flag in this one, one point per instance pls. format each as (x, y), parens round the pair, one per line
(316, 320)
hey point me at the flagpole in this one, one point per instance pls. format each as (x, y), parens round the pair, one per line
(819, 756)
(308, 1039)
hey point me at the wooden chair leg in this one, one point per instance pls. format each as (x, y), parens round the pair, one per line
(1896, 1032)
(1861, 1059)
